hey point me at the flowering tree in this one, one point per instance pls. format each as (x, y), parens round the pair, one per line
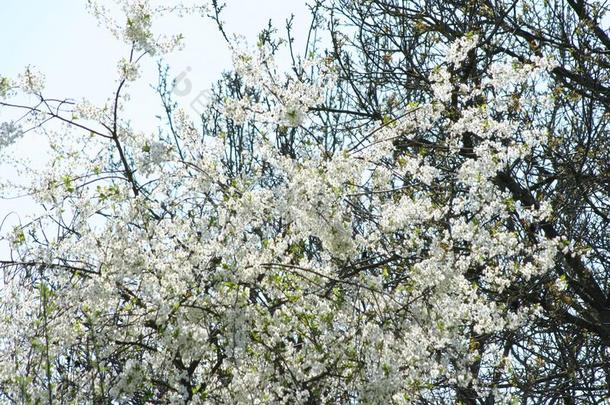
(330, 235)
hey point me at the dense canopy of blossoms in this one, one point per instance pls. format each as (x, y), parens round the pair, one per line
(312, 276)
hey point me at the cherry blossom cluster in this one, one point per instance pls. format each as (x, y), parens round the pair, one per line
(328, 277)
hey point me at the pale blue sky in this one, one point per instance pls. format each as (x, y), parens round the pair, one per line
(79, 59)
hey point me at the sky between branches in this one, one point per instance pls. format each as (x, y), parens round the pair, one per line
(79, 60)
